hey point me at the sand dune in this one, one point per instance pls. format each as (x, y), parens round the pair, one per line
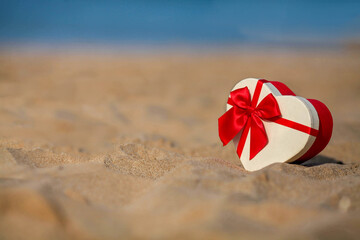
(111, 146)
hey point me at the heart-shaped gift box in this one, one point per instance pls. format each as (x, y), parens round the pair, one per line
(269, 124)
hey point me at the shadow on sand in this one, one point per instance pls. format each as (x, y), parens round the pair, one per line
(318, 160)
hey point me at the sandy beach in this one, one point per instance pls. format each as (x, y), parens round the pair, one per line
(106, 145)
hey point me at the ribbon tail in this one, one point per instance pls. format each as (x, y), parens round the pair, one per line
(242, 140)
(258, 137)
(230, 124)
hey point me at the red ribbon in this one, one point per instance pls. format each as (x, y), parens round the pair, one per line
(246, 113)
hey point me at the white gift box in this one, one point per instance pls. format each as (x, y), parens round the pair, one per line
(302, 131)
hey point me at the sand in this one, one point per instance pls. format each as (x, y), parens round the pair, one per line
(105, 145)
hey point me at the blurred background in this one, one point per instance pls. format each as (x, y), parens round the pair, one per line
(210, 23)
(108, 119)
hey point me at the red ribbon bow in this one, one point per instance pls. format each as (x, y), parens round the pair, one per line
(245, 115)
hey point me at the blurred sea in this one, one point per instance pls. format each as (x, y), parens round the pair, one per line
(197, 22)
